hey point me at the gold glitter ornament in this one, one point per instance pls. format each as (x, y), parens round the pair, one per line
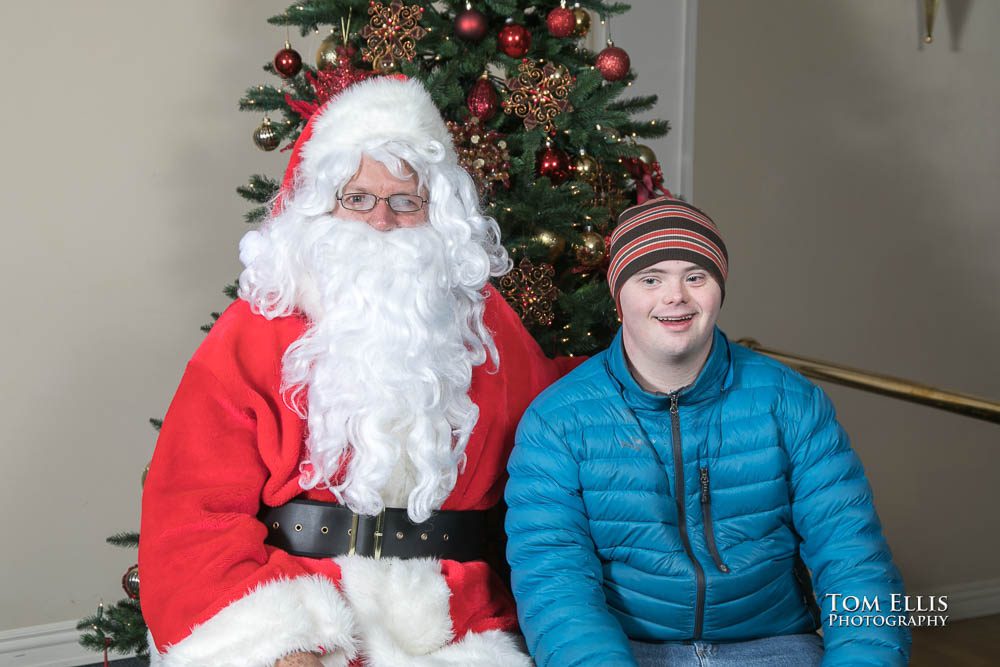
(530, 291)
(539, 94)
(391, 34)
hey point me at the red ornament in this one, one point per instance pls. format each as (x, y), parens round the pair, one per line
(471, 24)
(288, 62)
(483, 100)
(514, 40)
(613, 63)
(553, 163)
(561, 22)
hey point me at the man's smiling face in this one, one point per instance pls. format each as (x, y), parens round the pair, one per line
(669, 311)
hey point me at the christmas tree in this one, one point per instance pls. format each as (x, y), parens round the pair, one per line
(541, 123)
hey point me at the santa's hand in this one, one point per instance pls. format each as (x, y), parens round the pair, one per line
(299, 660)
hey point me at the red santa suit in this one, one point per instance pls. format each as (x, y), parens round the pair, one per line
(214, 593)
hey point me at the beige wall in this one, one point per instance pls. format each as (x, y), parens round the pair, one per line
(122, 148)
(854, 174)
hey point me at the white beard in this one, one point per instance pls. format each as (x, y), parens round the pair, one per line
(386, 365)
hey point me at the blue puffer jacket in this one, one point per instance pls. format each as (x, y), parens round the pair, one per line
(677, 517)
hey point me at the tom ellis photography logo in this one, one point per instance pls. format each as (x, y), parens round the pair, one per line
(896, 610)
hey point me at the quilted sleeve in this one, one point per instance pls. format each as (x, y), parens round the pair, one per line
(842, 545)
(555, 571)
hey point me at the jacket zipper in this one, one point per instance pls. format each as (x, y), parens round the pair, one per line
(680, 494)
(706, 513)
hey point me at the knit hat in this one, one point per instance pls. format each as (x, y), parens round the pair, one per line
(365, 114)
(661, 229)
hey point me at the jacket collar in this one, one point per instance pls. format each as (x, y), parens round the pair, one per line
(713, 378)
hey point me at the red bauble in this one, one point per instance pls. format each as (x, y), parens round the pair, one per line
(471, 25)
(553, 163)
(561, 22)
(514, 40)
(483, 100)
(613, 63)
(288, 62)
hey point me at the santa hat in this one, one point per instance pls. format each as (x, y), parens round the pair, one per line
(367, 114)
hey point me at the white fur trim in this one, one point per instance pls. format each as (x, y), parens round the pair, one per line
(403, 618)
(376, 110)
(273, 620)
(476, 649)
(406, 601)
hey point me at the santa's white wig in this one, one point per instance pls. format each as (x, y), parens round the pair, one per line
(396, 318)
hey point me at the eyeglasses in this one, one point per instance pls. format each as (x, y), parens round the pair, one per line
(362, 201)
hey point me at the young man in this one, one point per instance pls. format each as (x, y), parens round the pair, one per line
(319, 490)
(664, 494)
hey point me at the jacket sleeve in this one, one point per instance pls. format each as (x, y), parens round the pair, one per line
(842, 541)
(556, 574)
(212, 592)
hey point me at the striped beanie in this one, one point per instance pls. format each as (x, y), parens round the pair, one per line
(660, 229)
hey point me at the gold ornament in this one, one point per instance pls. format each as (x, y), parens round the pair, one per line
(391, 34)
(582, 26)
(265, 136)
(585, 167)
(590, 251)
(555, 243)
(539, 94)
(530, 291)
(930, 11)
(612, 135)
(326, 55)
(646, 154)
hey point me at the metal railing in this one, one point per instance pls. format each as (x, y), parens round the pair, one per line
(963, 404)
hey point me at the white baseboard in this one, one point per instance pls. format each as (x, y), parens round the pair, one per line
(57, 644)
(972, 600)
(52, 645)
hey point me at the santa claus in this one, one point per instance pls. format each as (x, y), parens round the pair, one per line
(319, 490)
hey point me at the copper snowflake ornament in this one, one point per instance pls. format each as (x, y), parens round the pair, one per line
(530, 291)
(391, 34)
(539, 94)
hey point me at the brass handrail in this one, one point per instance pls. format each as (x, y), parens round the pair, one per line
(963, 404)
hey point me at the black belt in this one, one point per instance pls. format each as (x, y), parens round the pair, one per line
(323, 530)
